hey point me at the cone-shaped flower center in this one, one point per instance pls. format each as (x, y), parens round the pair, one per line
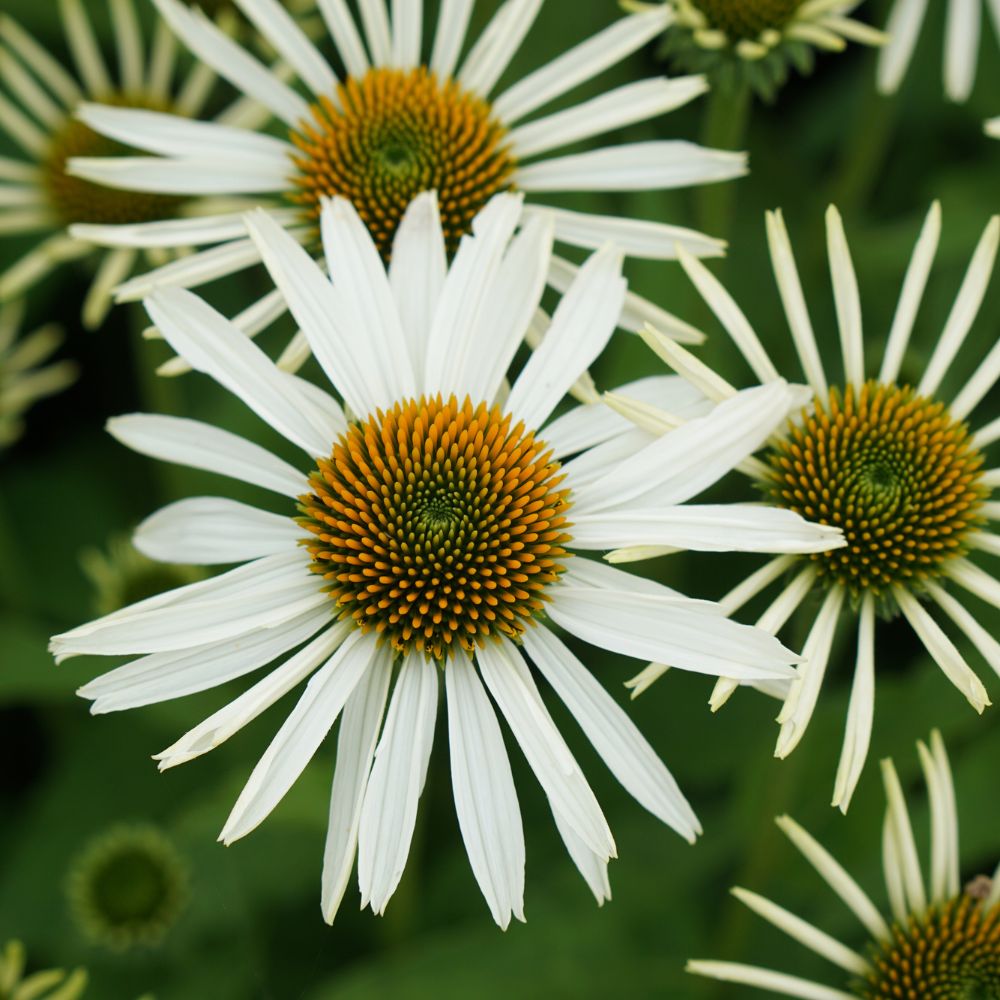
(438, 523)
(747, 18)
(894, 470)
(128, 887)
(392, 134)
(950, 953)
(76, 200)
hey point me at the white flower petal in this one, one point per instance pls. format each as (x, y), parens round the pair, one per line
(898, 822)
(616, 738)
(903, 29)
(208, 530)
(485, 797)
(376, 24)
(766, 979)
(345, 35)
(961, 47)
(203, 446)
(389, 812)
(407, 27)
(192, 175)
(496, 46)
(452, 24)
(300, 736)
(359, 729)
(593, 867)
(846, 298)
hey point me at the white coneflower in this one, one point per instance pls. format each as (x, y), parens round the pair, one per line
(433, 541)
(963, 28)
(758, 40)
(404, 120)
(896, 467)
(939, 942)
(38, 98)
(24, 378)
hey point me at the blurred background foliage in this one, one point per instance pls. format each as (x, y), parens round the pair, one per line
(250, 925)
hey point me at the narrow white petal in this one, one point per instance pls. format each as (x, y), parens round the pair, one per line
(485, 797)
(83, 45)
(804, 692)
(389, 812)
(858, 734)
(982, 381)
(942, 821)
(580, 63)
(961, 47)
(637, 166)
(984, 641)
(452, 24)
(129, 44)
(615, 737)
(949, 810)
(898, 819)
(626, 105)
(662, 629)
(164, 676)
(417, 274)
(38, 57)
(595, 573)
(837, 878)
(115, 266)
(846, 299)
(210, 530)
(300, 736)
(345, 35)
(911, 295)
(593, 867)
(942, 650)
(162, 64)
(407, 27)
(790, 287)
(31, 96)
(510, 682)
(964, 311)
(497, 45)
(202, 446)
(359, 729)
(765, 979)
(231, 718)
(582, 325)
(192, 175)
(903, 29)
(211, 344)
(230, 60)
(892, 867)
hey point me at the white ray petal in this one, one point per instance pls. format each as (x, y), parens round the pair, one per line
(389, 812)
(903, 29)
(345, 35)
(898, 821)
(580, 63)
(37, 56)
(300, 736)
(582, 325)
(211, 344)
(846, 299)
(949, 809)
(509, 681)
(192, 175)
(128, 40)
(452, 24)
(985, 586)
(616, 738)
(485, 797)
(164, 676)
(858, 734)
(497, 45)
(961, 47)
(359, 729)
(203, 531)
(115, 266)
(407, 27)
(984, 641)
(942, 821)
(375, 19)
(83, 45)
(593, 867)
(31, 96)
(231, 718)
(766, 979)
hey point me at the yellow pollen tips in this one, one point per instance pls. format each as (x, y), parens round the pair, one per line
(894, 470)
(747, 18)
(392, 134)
(437, 524)
(950, 953)
(76, 200)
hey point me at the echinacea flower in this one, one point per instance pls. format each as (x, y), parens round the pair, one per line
(433, 539)
(24, 376)
(756, 41)
(893, 465)
(402, 122)
(939, 942)
(963, 29)
(49, 984)
(38, 98)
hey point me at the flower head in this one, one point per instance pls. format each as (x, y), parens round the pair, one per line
(409, 116)
(757, 41)
(434, 533)
(940, 942)
(24, 376)
(893, 465)
(38, 99)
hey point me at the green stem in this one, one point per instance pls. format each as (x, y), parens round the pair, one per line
(727, 118)
(864, 156)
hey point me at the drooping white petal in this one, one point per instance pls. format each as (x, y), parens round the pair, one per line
(211, 344)
(510, 682)
(485, 797)
(389, 812)
(203, 446)
(356, 741)
(961, 47)
(986, 644)
(582, 325)
(417, 274)
(615, 737)
(898, 821)
(300, 735)
(164, 676)
(943, 821)
(496, 46)
(903, 29)
(203, 531)
(593, 867)
(231, 718)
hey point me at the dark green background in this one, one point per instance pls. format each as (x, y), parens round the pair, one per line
(253, 927)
